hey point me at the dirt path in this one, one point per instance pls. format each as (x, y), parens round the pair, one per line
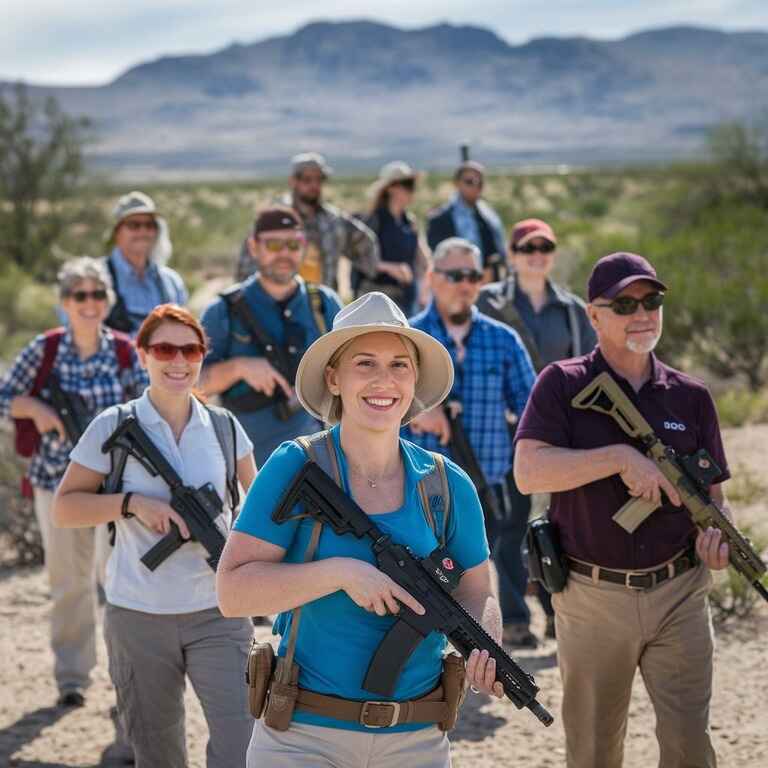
(34, 734)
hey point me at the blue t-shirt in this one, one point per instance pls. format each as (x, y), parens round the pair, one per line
(337, 639)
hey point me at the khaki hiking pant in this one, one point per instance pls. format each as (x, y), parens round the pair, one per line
(604, 633)
(313, 746)
(69, 555)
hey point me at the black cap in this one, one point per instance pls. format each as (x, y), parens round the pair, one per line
(613, 273)
(276, 217)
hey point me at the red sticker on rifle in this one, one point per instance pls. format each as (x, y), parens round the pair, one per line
(447, 563)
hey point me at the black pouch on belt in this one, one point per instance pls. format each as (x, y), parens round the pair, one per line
(452, 681)
(258, 675)
(546, 563)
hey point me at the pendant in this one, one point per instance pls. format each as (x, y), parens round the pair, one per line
(372, 483)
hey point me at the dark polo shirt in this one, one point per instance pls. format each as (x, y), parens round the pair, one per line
(682, 414)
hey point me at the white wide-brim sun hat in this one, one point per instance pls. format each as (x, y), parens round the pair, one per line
(374, 313)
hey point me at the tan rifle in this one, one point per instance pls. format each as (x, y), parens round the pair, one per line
(690, 475)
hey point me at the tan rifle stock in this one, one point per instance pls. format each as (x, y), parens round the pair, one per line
(604, 395)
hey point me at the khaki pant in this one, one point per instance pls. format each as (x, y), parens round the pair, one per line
(69, 556)
(312, 746)
(150, 657)
(604, 633)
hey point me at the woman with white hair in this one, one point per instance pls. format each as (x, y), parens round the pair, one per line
(367, 377)
(95, 367)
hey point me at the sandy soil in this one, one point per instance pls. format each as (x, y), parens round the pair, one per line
(33, 733)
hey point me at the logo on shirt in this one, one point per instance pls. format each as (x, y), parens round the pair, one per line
(675, 426)
(447, 563)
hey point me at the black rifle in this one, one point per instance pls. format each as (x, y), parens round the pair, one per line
(277, 357)
(464, 456)
(71, 409)
(430, 580)
(198, 506)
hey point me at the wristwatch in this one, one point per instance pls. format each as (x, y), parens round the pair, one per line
(124, 507)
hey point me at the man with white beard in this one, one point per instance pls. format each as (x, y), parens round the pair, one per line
(631, 600)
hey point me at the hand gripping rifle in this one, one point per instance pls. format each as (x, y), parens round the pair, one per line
(198, 506)
(71, 409)
(430, 580)
(691, 476)
(464, 456)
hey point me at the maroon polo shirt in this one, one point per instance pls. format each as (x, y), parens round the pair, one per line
(682, 414)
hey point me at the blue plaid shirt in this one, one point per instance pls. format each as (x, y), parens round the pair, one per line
(496, 375)
(97, 380)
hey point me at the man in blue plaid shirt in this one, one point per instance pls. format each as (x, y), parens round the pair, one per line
(494, 377)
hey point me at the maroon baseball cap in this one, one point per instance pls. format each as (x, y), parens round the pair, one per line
(276, 217)
(613, 273)
(527, 229)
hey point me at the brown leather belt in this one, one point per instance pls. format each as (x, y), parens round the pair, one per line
(376, 714)
(639, 579)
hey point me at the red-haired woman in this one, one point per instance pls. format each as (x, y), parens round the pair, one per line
(164, 624)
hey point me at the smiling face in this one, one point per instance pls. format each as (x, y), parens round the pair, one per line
(178, 375)
(537, 263)
(638, 333)
(85, 312)
(375, 378)
(135, 235)
(278, 253)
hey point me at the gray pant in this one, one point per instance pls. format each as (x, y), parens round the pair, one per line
(149, 657)
(69, 556)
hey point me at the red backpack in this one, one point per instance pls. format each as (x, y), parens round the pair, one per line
(27, 436)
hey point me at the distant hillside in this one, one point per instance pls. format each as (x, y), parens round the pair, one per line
(365, 92)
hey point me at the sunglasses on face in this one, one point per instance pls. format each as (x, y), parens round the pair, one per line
(627, 305)
(164, 351)
(545, 247)
(135, 226)
(471, 181)
(457, 275)
(100, 294)
(277, 244)
(311, 179)
(409, 184)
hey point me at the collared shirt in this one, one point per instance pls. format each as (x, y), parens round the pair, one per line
(184, 582)
(682, 414)
(230, 339)
(496, 375)
(466, 225)
(97, 380)
(331, 233)
(337, 638)
(141, 294)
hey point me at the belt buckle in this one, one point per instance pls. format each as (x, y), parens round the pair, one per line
(629, 585)
(395, 713)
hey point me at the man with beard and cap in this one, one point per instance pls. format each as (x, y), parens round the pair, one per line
(494, 374)
(632, 599)
(259, 330)
(140, 279)
(330, 232)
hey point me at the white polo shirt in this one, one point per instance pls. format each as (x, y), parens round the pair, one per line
(184, 582)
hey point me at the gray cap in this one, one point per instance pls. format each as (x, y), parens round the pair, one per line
(310, 160)
(133, 203)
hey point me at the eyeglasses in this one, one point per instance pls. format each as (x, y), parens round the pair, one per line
(165, 351)
(457, 275)
(528, 248)
(100, 294)
(471, 181)
(277, 244)
(627, 305)
(134, 226)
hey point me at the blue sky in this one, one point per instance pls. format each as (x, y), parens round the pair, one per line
(79, 41)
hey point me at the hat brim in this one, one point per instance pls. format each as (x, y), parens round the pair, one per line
(378, 186)
(616, 289)
(542, 233)
(435, 367)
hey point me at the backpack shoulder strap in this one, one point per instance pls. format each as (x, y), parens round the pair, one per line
(118, 456)
(123, 347)
(317, 305)
(435, 496)
(224, 427)
(52, 338)
(573, 322)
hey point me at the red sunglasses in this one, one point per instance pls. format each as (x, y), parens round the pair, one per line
(165, 351)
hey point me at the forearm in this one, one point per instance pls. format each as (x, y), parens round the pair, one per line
(549, 469)
(23, 407)
(84, 509)
(485, 609)
(261, 588)
(219, 377)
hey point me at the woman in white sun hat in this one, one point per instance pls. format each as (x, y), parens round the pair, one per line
(366, 378)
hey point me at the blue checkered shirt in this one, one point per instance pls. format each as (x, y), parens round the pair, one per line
(495, 375)
(97, 380)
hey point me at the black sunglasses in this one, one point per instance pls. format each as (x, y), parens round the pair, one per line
(100, 294)
(457, 275)
(545, 247)
(409, 184)
(627, 305)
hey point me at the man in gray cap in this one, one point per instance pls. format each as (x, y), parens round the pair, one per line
(330, 232)
(140, 279)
